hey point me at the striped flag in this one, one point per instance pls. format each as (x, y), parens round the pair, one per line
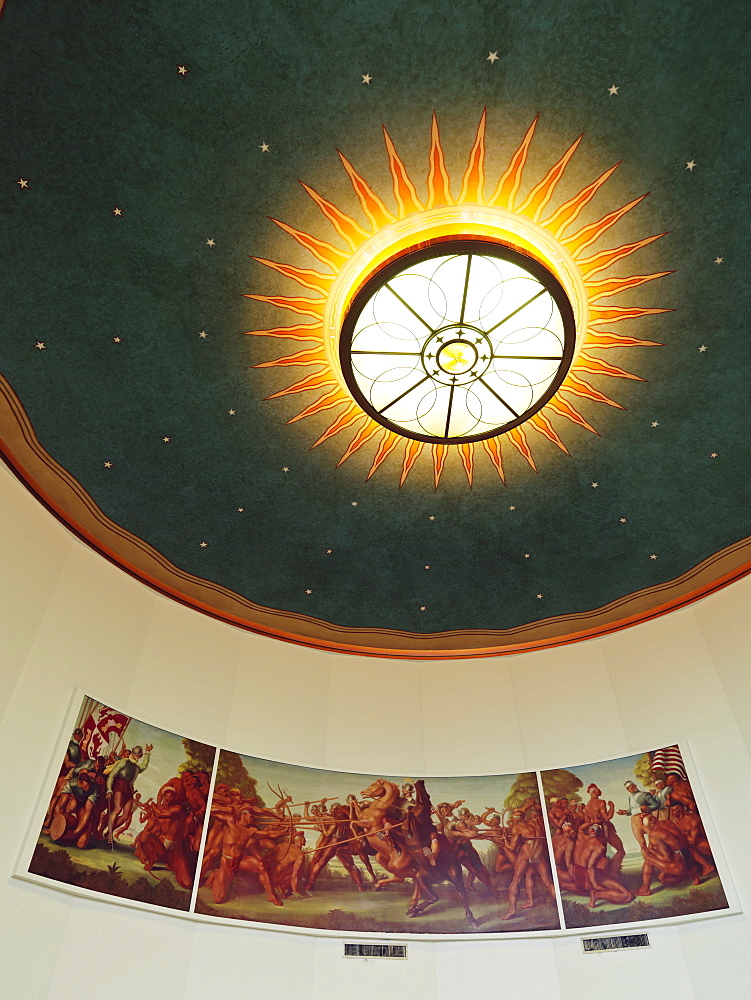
(669, 760)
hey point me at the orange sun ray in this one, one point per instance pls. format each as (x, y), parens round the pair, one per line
(564, 409)
(439, 182)
(303, 276)
(473, 182)
(317, 380)
(346, 227)
(377, 213)
(543, 426)
(518, 439)
(369, 429)
(411, 453)
(323, 251)
(507, 187)
(569, 212)
(303, 306)
(603, 340)
(614, 314)
(303, 359)
(301, 331)
(389, 441)
(350, 415)
(405, 192)
(578, 387)
(467, 455)
(537, 199)
(596, 366)
(588, 235)
(597, 290)
(590, 266)
(326, 402)
(492, 447)
(439, 460)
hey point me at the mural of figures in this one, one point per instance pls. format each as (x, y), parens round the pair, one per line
(342, 851)
(628, 841)
(158, 819)
(127, 810)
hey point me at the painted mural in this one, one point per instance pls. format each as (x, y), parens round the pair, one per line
(127, 810)
(339, 851)
(151, 818)
(628, 841)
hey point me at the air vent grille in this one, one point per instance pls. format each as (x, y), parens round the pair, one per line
(375, 950)
(616, 943)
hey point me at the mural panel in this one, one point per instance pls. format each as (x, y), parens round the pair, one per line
(127, 810)
(354, 852)
(629, 842)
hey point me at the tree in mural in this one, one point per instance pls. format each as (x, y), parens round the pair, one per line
(230, 769)
(199, 757)
(645, 776)
(561, 784)
(525, 787)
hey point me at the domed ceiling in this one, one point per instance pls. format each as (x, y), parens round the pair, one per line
(148, 149)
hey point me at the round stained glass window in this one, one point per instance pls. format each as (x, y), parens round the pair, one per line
(457, 342)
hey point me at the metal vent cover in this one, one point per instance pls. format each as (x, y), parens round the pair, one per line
(618, 942)
(355, 950)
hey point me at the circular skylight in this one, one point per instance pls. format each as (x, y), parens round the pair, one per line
(457, 342)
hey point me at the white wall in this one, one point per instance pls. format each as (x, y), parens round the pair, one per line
(68, 618)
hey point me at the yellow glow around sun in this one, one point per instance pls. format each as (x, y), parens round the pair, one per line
(499, 213)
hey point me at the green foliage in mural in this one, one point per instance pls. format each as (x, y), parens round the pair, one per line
(231, 771)
(200, 757)
(525, 787)
(645, 776)
(561, 784)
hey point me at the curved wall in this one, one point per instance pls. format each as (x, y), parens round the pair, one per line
(68, 618)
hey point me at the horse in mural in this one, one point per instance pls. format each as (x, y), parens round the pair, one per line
(402, 844)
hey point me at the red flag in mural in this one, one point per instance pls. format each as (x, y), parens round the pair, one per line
(103, 728)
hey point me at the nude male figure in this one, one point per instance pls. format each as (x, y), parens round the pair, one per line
(527, 841)
(592, 869)
(464, 830)
(161, 839)
(564, 841)
(459, 831)
(239, 854)
(666, 854)
(496, 834)
(560, 812)
(681, 792)
(599, 811)
(326, 846)
(692, 829)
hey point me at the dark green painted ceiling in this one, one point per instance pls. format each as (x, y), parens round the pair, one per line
(96, 116)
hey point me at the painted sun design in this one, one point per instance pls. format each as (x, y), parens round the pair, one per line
(461, 323)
